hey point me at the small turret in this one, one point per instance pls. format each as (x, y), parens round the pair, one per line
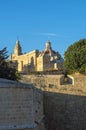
(48, 45)
(17, 49)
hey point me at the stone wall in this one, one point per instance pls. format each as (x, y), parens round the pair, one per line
(64, 102)
(56, 83)
(64, 111)
(21, 106)
(44, 82)
(80, 82)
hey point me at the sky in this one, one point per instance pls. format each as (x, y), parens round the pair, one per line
(34, 22)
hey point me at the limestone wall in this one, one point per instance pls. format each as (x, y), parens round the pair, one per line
(26, 59)
(21, 106)
(44, 82)
(64, 102)
(64, 111)
(40, 63)
(80, 82)
(56, 83)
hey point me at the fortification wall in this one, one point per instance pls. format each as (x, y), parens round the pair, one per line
(43, 82)
(75, 84)
(64, 102)
(80, 82)
(21, 106)
(64, 111)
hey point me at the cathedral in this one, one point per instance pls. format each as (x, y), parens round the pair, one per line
(47, 60)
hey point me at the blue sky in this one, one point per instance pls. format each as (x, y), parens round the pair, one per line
(34, 22)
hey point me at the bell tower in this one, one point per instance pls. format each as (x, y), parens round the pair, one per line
(48, 46)
(17, 49)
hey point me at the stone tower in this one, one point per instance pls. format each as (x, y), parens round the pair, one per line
(48, 45)
(17, 49)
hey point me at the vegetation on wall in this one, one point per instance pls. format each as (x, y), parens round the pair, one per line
(75, 57)
(6, 70)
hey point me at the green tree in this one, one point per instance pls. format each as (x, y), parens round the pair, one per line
(6, 71)
(75, 57)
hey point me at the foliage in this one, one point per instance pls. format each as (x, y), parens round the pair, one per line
(75, 57)
(6, 71)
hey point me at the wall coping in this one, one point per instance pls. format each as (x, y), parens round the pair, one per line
(14, 84)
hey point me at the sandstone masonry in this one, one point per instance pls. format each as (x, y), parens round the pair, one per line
(48, 59)
(64, 100)
(21, 106)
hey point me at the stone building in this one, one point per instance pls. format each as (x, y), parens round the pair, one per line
(35, 60)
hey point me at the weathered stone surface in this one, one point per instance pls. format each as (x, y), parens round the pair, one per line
(21, 106)
(64, 103)
(64, 111)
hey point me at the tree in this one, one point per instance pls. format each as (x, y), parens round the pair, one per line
(75, 57)
(6, 71)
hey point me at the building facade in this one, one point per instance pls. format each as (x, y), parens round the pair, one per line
(35, 60)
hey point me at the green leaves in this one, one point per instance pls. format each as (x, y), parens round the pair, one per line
(6, 71)
(75, 57)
